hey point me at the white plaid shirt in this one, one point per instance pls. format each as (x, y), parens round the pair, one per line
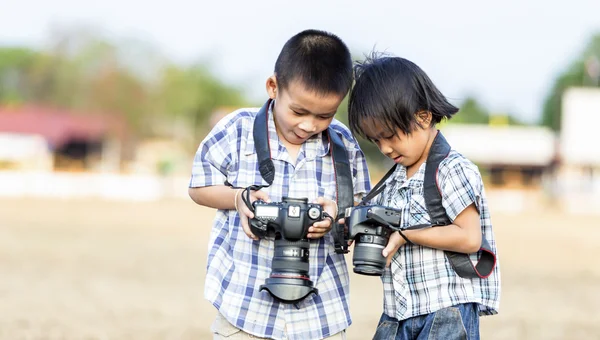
(237, 265)
(421, 280)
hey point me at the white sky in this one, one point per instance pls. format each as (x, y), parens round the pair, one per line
(506, 53)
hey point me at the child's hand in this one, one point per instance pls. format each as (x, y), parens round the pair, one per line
(342, 221)
(319, 229)
(394, 243)
(245, 213)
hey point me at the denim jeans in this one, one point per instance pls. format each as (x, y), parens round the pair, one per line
(452, 323)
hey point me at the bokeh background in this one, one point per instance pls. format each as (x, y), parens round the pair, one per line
(103, 104)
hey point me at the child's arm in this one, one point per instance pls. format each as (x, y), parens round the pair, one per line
(216, 158)
(461, 187)
(224, 197)
(462, 236)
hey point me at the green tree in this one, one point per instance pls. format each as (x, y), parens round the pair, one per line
(16, 63)
(471, 112)
(193, 94)
(84, 71)
(579, 73)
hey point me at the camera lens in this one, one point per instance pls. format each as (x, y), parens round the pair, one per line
(289, 280)
(367, 258)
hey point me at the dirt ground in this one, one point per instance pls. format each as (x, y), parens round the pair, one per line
(112, 270)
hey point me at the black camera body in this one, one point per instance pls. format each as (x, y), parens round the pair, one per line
(291, 218)
(370, 227)
(289, 221)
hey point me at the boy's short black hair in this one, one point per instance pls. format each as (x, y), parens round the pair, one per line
(392, 90)
(319, 60)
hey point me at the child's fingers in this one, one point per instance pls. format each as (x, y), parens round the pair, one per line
(245, 214)
(328, 205)
(261, 195)
(319, 229)
(316, 234)
(325, 224)
(246, 228)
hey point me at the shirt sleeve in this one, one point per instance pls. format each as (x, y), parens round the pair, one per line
(461, 185)
(360, 172)
(215, 156)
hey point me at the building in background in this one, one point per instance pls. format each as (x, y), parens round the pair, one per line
(60, 139)
(579, 175)
(508, 156)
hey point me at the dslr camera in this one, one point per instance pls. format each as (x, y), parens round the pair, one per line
(370, 227)
(288, 221)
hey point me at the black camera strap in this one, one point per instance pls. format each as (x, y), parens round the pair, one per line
(341, 164)
(433, 200)
(378, 188)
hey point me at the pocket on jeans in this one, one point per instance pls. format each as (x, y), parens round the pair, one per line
(448, 325)
(386, 330)
(223, 327)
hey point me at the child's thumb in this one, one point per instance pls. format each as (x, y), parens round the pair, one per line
(386, 251)
(390, 247)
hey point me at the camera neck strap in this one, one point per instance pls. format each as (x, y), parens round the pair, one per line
(339, 157)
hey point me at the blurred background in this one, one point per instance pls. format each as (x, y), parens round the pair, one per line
(103, 104)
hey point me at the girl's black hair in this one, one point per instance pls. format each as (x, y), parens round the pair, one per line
(393, 90)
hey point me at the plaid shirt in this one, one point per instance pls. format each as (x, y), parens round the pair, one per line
(237, 265)
(421, 280)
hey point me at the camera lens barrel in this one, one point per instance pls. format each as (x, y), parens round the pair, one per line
(367, 258)
(289, 280)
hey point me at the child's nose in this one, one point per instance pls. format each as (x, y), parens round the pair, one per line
(308, 125)
(385, 148)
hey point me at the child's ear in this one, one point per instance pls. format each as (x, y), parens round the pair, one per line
(272, 87)
(424, 118)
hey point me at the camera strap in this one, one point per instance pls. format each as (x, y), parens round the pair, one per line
(433, 200)
(339, 157)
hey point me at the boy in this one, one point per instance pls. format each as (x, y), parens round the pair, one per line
(313, 73)
(395, 105)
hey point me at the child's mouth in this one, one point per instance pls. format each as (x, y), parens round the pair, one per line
(300, 137)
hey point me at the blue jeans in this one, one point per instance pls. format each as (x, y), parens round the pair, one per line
(452, 323)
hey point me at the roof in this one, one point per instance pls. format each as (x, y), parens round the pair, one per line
(57, 126)
(503, 145)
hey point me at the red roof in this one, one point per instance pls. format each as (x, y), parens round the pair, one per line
(57, 126)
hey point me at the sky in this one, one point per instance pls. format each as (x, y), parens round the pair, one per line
(506, 54)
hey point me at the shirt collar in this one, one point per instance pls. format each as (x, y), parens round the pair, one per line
(400, 174)
(316, 146)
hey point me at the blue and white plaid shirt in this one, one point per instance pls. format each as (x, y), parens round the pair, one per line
(237, 265)
(421, 280)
